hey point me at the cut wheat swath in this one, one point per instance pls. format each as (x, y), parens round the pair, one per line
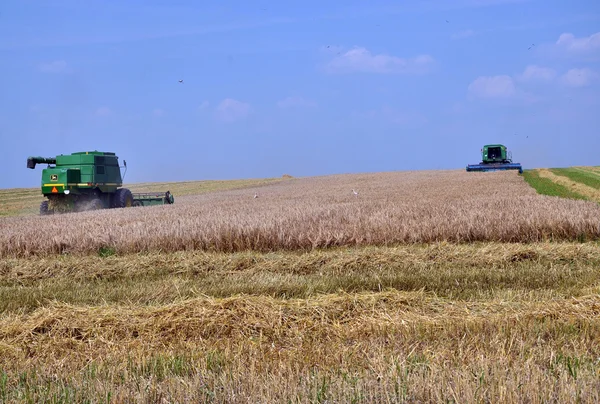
(394, 346)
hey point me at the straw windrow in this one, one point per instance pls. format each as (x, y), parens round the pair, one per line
(381, 339)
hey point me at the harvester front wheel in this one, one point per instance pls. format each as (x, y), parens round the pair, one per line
(122, 198)
(44, 208)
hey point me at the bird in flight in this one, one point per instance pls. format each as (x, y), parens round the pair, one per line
(532, 45)
(181, 81)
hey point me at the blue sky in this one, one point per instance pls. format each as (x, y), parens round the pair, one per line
(301, 88)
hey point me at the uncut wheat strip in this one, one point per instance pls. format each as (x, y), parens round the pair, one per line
(578, 187)
(218, 213)
(368, 226)
(244, 316)
(290, 219)
(249, 221)
(308, 195)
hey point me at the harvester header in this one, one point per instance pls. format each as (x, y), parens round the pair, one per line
(495, 157)
(88, 180)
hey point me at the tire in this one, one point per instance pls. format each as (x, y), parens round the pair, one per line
(137, 203)
(44, 208)
(122, 198)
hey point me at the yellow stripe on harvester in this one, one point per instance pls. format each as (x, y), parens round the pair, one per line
(54, 185)
(85, 184)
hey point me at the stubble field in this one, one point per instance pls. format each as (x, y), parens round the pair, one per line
(427, 286)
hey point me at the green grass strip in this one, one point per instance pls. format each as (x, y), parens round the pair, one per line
(591, 171)
(577, 175)
(546, 186)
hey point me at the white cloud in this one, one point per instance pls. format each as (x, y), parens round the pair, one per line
(463, 34)
(537, 73)
(578, 77)
(588, 44)
(505, 87)
(493, 87)
(57, 66)
(230, 110)
(158, 112)
(103, 111)
(295, 102)
(203, 105)
(362, 60)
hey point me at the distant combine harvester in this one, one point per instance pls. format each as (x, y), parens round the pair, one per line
(495, 157)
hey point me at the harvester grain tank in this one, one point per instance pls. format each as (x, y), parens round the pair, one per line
(86, 181)
(495, 157)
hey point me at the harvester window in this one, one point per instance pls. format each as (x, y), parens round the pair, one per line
(494, 153)
(99, 169)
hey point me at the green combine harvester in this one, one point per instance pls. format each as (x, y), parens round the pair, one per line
(88, 181)
(495, 157)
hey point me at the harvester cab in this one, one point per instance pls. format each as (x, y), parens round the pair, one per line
(495, 154)
(495, 157)
(86, 181)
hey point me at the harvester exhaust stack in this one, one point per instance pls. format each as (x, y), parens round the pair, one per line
(32, 161)
(495, 157)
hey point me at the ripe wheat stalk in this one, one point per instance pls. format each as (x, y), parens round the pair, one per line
(321, 212)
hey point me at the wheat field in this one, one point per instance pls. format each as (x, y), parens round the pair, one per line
(435, 286)
(303, 214)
